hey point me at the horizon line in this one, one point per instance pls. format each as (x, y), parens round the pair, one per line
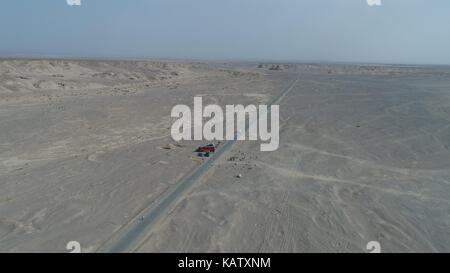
(205, 60)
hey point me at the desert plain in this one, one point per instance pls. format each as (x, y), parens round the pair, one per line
(86, 150)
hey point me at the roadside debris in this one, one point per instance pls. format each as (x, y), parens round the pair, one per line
(171, 146)
(168, 147)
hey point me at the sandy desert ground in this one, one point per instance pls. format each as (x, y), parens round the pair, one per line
(85, 148)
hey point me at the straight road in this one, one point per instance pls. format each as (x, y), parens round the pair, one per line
(130, 237)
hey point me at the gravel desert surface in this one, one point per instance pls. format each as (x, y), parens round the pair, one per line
(85, 149)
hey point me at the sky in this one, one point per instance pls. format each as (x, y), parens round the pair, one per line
(397, 31)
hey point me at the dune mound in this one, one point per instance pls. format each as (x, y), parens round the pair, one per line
(30, 75)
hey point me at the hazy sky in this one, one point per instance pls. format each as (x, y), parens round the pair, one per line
(398, 31)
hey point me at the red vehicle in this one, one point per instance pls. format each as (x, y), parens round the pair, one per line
(210, 148)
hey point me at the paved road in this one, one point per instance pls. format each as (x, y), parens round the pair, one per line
(130, 237)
